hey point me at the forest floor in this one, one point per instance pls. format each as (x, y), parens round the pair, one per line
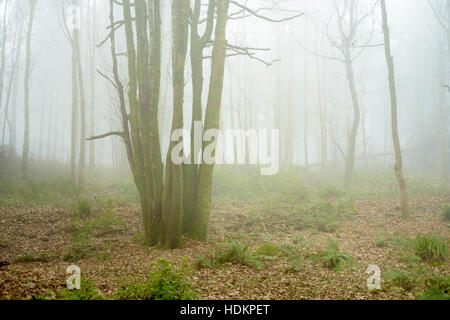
(279, 253)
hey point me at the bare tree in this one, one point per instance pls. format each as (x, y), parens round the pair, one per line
(442, 15)
(393, 93)
(27, 83)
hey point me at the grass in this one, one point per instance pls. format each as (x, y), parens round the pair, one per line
(267, 249)
(431, 247)
(83, 208)
(445, 212)
(381, 243)
(400, 279)
(235, 252)
(44, 257)
(332, 257)
(437, 288)
(87, 292)
(164, 283)
(83, 230)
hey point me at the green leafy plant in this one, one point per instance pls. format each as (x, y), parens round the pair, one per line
(431, 247)
(165, 283)
(267, 249)
(381, 243)
(79, 251)
(235, 252)
(87, 292)
(400, 279)
(41, 257)
(83, 208)
(332, 257)
(437, 288)
(446, 213)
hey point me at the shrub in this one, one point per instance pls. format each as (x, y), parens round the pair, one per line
(87, 292)
(381, 243)
(332, 257)
(79, 251)
(106, 223)
(235, 252)
(399, 279)
(331, 191)
(83, 208)
(446, 213)
(267, 249)
(41, 257)
(437, 288)
(165, 283)
(431, 247)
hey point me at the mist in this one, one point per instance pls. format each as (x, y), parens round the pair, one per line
(280, 129)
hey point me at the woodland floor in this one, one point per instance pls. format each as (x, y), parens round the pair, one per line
(120, 254)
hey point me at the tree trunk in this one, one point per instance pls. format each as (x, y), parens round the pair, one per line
(212, 121)
(191, 170)
(393, 94)
(173, 180)
(3, 55)
(350, 163)
(79, 62)
(305, 123)
(27, 83)
(92, 42)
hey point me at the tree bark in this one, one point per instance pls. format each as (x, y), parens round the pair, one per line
(173, 180)
(392, 89)
(27, 83)
(212, 121)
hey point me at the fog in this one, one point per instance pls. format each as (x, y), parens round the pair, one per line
(251, 87)
(252, 136)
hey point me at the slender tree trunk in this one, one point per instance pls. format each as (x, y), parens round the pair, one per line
(173, 179)
(212, 120)
(12, 90)
(350, 163)
(79, 62)
(393, 94)
(191, 171)
(13, 125)
(305, 123)
(3, 55)
(320, 105)
(74, 122)
(27, 83)
(51, 124)
(41, 134)
(92, 43)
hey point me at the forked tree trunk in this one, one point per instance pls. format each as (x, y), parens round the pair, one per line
(173, 180)
(191, 170)
(398, 154)
(212, 121)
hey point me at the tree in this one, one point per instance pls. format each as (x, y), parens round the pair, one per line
(393, 94)
(191, 170)
(27, 84)
(92, 39)
(350, 43)
(442, 15)
(212, 121)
